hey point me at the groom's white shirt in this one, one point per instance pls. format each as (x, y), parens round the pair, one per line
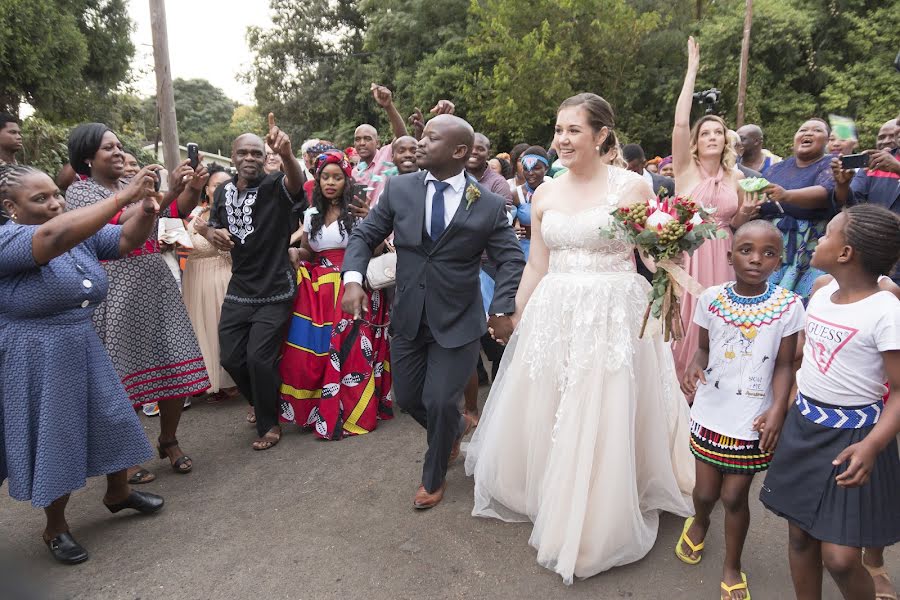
(452, 198)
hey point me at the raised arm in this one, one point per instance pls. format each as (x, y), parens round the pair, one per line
(59, 235)
(281, 144)
(385, 99)
(681, 134)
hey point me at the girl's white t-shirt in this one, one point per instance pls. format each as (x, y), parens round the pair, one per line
(842, 362)
(744, 338)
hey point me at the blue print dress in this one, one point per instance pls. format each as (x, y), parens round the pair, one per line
(64, 415)
(800, 228)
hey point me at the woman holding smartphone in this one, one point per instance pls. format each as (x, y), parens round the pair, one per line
(335, 371)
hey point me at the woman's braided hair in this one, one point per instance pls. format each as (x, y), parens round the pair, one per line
(11, 177)
(874, 234)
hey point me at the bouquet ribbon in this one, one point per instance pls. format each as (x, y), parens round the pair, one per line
(681, 277)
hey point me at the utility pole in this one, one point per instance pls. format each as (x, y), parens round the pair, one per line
(165, 93)
(745, 59)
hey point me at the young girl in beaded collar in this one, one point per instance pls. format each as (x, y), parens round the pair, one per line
(836, 474)
(742, 374)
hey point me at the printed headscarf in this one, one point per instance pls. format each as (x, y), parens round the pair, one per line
(334, 157)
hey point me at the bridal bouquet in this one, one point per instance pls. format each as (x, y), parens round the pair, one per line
(663, 229)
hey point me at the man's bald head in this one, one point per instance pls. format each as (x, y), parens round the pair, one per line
(365, 140)
(751, 140)
(446, 144)
(247, 139)
(248, 153)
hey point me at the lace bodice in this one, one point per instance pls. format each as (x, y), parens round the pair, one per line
(576, 241)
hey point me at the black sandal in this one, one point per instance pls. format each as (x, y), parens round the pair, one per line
(179, 464)
(141, 476)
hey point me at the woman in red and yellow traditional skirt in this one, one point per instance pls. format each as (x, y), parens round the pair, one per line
(336, 374)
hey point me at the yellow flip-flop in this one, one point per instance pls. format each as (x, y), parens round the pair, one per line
(686, 558)
(738, 586)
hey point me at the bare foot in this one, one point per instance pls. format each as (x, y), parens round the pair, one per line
(251, 416)
(272, 437)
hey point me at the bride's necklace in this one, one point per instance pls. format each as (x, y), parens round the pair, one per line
(749, 313)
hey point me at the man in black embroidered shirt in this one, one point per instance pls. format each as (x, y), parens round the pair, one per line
(251, 218)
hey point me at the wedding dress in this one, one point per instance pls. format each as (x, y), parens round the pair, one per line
(585, 431)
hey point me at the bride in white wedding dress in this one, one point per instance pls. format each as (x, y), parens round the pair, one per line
(585, 431)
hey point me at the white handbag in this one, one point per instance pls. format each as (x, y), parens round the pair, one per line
(382, 270)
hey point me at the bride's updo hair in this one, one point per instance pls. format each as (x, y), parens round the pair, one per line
(599, 113)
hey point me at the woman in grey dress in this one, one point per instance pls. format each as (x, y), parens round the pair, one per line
(64, 414)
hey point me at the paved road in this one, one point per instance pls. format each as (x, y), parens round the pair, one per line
(328, 520)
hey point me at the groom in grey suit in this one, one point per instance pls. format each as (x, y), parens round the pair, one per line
(442, 222)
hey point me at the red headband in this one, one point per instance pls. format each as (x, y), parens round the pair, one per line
(334, 157)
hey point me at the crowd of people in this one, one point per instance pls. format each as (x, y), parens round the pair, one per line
(790, 364)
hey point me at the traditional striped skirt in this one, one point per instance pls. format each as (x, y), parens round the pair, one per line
(336, 372)
(727, 454)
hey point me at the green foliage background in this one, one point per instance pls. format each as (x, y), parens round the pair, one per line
(508, 64)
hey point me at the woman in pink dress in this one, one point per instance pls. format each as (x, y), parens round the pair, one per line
(704, 170)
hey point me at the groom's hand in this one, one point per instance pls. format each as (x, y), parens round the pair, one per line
(354, 300)
(500, 328)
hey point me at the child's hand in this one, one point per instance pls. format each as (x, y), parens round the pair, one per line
(861, 457)
(769, 425)
(689, 383)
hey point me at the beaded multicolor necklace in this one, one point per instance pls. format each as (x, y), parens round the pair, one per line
(750, 313)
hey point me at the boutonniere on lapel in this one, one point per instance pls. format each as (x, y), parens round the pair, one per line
(472, 194)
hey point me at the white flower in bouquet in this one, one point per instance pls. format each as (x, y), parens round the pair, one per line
(658, 219)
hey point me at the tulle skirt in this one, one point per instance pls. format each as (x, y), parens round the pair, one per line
(585, 432)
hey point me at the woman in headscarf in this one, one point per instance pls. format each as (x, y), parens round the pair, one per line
(535, 163)
(143, 321)
(335, 370)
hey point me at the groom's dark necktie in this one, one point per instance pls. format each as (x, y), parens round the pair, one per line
(437, 210)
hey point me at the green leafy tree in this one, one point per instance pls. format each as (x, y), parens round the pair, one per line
(66, 58)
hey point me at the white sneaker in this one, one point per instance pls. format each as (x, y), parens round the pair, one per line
(187, 402)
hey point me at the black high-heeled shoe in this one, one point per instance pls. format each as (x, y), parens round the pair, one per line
(66, 550)
(143, 502)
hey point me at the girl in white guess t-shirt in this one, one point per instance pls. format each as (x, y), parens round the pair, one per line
(836, 473)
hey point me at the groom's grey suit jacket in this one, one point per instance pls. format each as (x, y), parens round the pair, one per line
(440, 278)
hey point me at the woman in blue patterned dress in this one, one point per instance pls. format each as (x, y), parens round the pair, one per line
(63, 411)
(800, 205)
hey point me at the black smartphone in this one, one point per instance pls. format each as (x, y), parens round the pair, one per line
(360, 197)
(855, 161)
(193, 152)
(157, 180)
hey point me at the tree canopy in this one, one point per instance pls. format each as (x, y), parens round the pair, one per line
(67, 58)
(507, 65)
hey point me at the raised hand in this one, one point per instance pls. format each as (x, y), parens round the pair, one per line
(443, 107)
(693, 55)
(417, 122)
(383, 96)
(141, 186)
(278, 140)
(883, 160)
(200, 176)
(180, 177)
(841, 176)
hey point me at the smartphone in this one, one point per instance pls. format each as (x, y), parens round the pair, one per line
(157, 182)
(360, 197)
(855, 161)
(193, 152)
